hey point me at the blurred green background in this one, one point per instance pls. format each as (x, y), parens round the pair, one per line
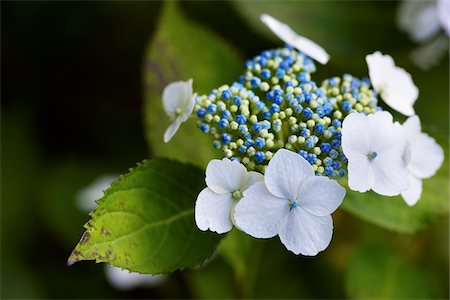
(81, 85)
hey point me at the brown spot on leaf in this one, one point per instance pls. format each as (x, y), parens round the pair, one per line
(85, 238)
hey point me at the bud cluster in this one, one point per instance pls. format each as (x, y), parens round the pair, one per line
(276, 105)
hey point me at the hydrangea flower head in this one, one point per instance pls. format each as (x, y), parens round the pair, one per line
(178, 102)
(226, 180)
(291, 203)
(374, 146)
(276, 105)
(394, 84)
(290, 37)
(423, 157)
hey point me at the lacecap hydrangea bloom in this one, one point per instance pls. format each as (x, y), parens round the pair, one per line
(276, 120)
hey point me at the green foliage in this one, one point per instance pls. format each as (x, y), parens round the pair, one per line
(145, 223)
(377, 273)
(181, 49)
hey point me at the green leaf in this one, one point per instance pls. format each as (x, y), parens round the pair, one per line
(376, 273)
(145, 222)
(181, 49)
(394, 214)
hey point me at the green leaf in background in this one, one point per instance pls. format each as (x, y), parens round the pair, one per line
(377, 273)
(145, 221)
(182, 49)
(343, 28)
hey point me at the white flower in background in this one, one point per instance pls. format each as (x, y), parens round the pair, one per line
(118, 278)
(125, 280)
(427, 23)
(290, 37)
(178, 103)
(423, 157)
(374, 146)
(292, 203)
(226, 180)
(86, 197)
(394, 84)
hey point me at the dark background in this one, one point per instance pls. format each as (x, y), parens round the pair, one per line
(71, 110)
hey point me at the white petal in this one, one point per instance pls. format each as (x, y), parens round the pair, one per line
(426, 157)
(188, 108)
(444, 14)
(419, 19)
(390, 175)
(303, 233)
(356, 133)
(394, 84)
(320, 195)
(213, 211)
(387, 138)
(286, 172)
(177, 95)
(414, 191)
(431, 53)
(172, 129)
(253, 177)
(225, 176)
(290, 37)
(259, 213)
(412, 127)
(125, 280)
(360, 177)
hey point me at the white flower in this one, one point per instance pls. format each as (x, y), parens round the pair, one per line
(374, 146)
(423, 157)
(394, 84)
(125, 280)
(291, 202)
(226, 180)
(290, 37)
(178, 103)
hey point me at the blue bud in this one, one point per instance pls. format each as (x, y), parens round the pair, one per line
(265, 124)
(303, 153)
(305, 132)
(226, 138)
(260, 142)
(309, 143)
(342, 172)
(293, 102)
(226, 95)
(307, 112)
(332, 82)
(237, 100)
(223, 123)
(336, 164)
(212, 108)
(243, 129)
(216, 144)
(325, 147)
(274, 108)
(226, 115)
(338, 135)
(257, 127)
(319, 128)
(234, 159)
(204, 127)
(288, 83)
(201, 113)
(260, 105)
(249, 142)
(328, 171)
(346, 105)
(255, 82)
(337, 123)
(262, 61)
(270, 95)
(266, 54)
(278, 100)
(267, 114)
(312, 158)
(248, 64)
(333, 153)
(328, 161)
(243, 149)
(302, 77)
(260, 156)
(301, 98)
(265, 73)
(335, 144)
(241, 119)
(247, 135)
(308, 97)
(298, 109)
(280, 73)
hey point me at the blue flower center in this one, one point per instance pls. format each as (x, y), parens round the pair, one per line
(293, 203)
(372, 155)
